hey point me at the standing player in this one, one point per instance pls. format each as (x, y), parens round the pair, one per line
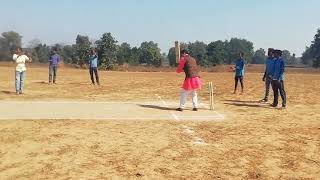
(267, 77)
(239, 68)
(53, 66)
(278, 79)
(20, 58)
(93, 66)
(192, 81)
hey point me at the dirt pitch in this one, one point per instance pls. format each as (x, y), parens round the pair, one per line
(254, 141)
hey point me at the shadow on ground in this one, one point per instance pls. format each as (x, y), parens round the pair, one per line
(8, 92)
(156, 107)
(252, 104)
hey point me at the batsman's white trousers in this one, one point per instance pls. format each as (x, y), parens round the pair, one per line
(184, 95)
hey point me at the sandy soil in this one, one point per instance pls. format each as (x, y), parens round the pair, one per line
(253, 142)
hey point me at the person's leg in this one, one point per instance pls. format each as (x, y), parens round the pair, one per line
(275, 88)
(97, 76)
(195, 100)
(183, 98)
(17, 82)
(283, 94)
(91, 75)
(22, 76)
(267, 84)
(55, 68)
(50, 73)
(241, 82)
(236, 78)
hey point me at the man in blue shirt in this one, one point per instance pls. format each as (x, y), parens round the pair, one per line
(93, 66)
(54, 60)
(239, 68)
(267, 77)
(278, 79)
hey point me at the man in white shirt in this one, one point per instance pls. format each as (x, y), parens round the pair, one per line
(21, 60)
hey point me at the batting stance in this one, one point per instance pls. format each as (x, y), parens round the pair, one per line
(192, 81)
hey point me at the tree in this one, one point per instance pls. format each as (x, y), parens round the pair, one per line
(198, 50)
(135, 56)
(34, 43)
(150, 54)
(41, 53)
(240, 45)
(82, 49)
(307, 58)
(259, 56)
(9, 41)
(172, 56)
(217, 52)
(107, 50)
(68, 53)
(124, 53)
(312, 53)
(293, 59)
(315, 50)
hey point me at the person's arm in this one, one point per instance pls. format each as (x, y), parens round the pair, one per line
(50, 58)
(180, 67)
(242, 65)
(15, 57)
(265, 71)
(27, 59)
(58, 59)
(282, 66)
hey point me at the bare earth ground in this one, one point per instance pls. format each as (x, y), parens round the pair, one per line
(252, 142)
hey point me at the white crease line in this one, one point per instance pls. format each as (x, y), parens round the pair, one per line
(75, 102)
(199, 141)
(77, 118)
(164, 103)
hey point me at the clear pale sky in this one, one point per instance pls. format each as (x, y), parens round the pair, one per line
(283, 24)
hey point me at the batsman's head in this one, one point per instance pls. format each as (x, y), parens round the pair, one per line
(184, 52)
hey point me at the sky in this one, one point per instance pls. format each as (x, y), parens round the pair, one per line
(282, 24)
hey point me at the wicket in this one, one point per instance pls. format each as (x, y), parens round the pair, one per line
(211, 95)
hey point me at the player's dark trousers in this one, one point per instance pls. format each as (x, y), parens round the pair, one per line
(278, 86)
(53, 73)
(94, 71)
(268, 83)
(236, 80)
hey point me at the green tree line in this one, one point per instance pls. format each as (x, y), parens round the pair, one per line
(112, 54)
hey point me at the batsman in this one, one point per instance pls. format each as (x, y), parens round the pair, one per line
(192, 81)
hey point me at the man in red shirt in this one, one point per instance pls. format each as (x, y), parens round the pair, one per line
(192, 82)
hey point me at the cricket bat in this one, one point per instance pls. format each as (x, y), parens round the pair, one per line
(177, 48)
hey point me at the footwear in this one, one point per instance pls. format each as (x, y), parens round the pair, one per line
(195, 109)
(17, 93)
(179, 109)
(273, 105)
(264, 100)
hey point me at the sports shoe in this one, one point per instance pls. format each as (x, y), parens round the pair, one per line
(195, 109)
(264, 100)
(273, 105)
(179, 109)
